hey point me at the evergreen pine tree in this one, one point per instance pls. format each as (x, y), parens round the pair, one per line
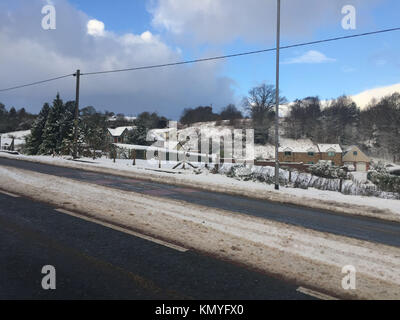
(51, 134)
(66, 138)
(34, 140)
(138, 136)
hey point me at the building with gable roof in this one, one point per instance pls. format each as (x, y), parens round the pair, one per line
(332, 153)
(305, 151)
(354, 157)
(299, 151)
(118, 135)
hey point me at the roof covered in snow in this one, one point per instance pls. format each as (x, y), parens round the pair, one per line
(330, 148)
(117, 132)
(300, 146)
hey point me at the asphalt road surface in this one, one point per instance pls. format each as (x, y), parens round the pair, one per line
(363, 228)
(96, 262)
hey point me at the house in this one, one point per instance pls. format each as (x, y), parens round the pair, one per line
(332, 153)
(355, 159)
(299, 151)
(118, 135)
(305, 151)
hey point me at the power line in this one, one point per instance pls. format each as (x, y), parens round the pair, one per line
(207, 59)
(37, 82)
(243, 53)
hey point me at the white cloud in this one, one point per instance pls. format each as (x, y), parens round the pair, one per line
(95, 27)
(147, 36)
(223, 21)
(310, 57)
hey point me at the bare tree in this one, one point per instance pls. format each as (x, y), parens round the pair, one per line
(260, 104)
(261, 101)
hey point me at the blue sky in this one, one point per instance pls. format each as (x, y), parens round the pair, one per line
(181, 29)
(121, 16)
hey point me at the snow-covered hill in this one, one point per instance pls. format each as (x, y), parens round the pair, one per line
(214, 131)
(19, 138)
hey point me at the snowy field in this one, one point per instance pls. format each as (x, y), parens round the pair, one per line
(19, 138)
(203, 179)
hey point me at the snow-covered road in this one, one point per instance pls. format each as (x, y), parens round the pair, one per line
(312, 258)
(319, 199)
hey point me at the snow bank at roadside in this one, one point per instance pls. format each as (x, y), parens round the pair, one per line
(313, 198)
(311, 258)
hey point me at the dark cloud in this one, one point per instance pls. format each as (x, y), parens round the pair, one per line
(29, 53)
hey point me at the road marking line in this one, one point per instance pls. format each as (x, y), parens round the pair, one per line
(117, 228)
(10, 194)
(315, 294)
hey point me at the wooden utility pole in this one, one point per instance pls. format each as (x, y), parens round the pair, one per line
(134, 157)
(76, 121)
(278, 34)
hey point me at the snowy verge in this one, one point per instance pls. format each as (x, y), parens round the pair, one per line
(313, 259)
(318, 199)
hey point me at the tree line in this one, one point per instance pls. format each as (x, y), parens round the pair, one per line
(375, 129)
(206, 114)
(53, 130)
(13, 120)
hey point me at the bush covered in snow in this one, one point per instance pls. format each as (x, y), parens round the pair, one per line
(240, 171)
(302, 180)
(325, 170)
(378, 166)
(385, 181)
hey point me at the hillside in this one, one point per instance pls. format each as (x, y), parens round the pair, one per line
(19, 138)
(215, 130)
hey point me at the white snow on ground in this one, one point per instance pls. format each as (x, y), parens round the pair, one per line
(6, 138)
(328, 200)
(265, 152)
(360, 177)
(312, 258)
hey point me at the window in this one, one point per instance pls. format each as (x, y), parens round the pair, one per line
(355, 153)
(311, 154)
(331, 154)
(288, 153)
